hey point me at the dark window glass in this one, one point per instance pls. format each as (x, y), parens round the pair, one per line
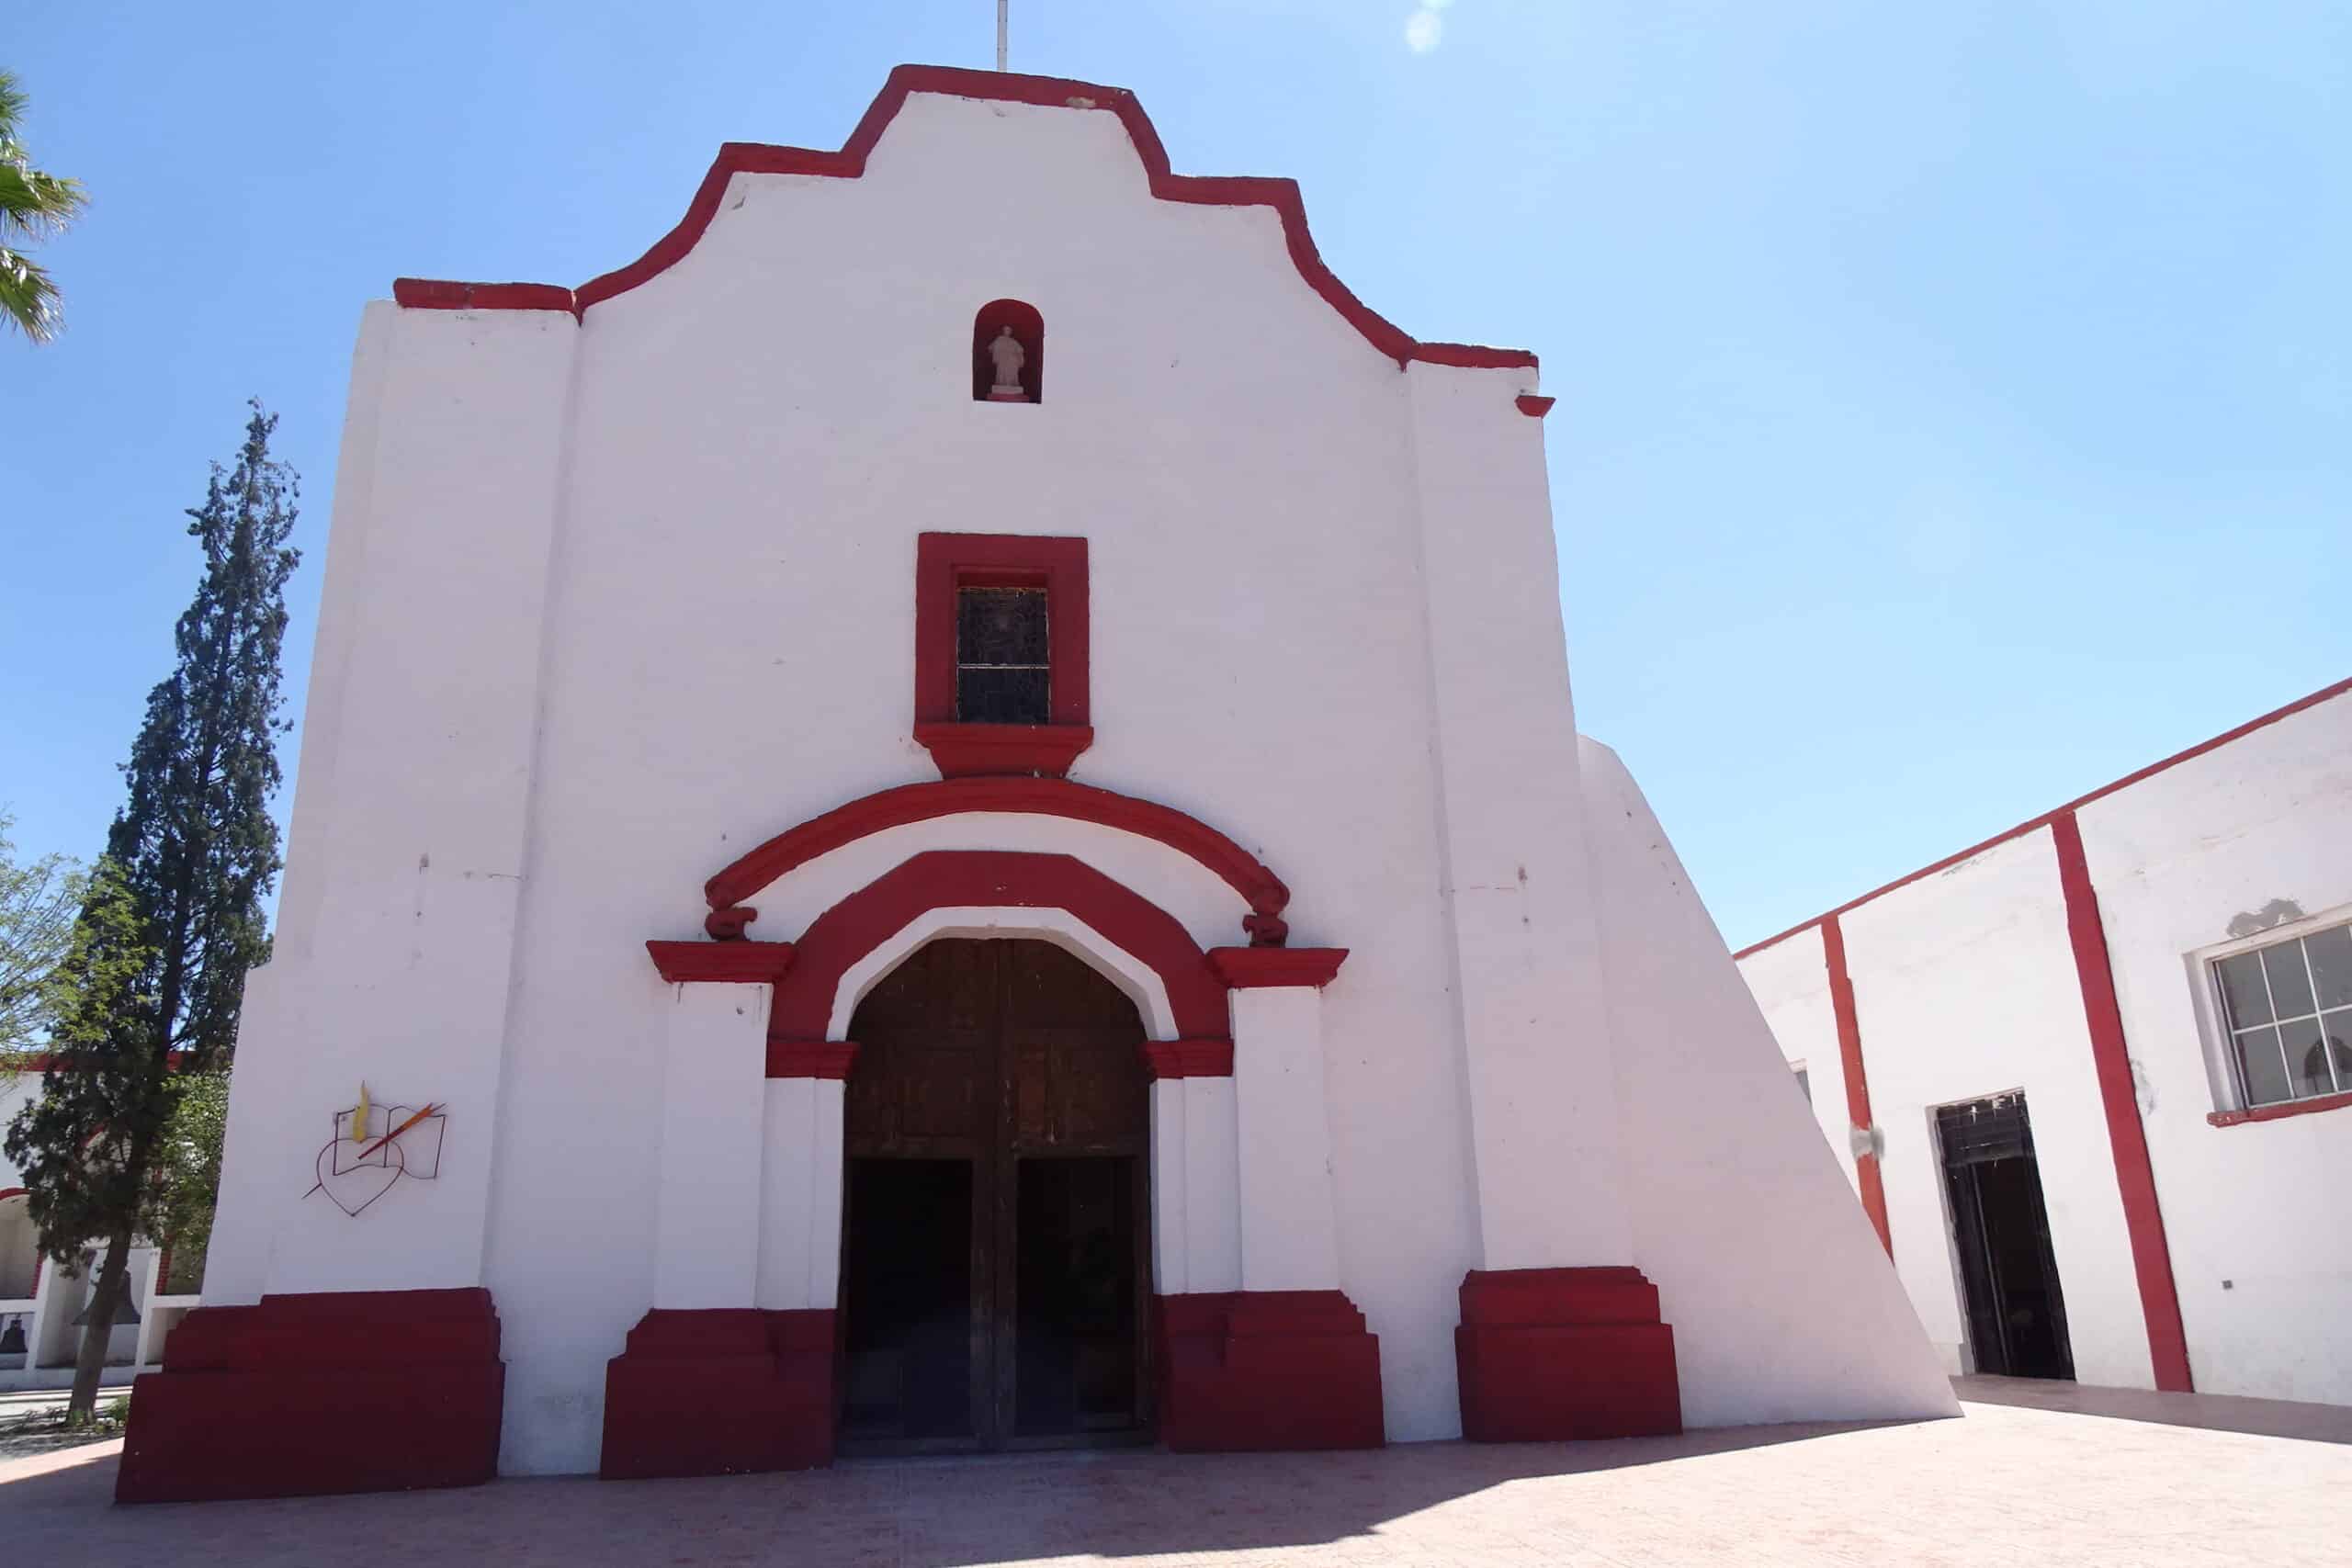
(2337, 1027)
(2294, 988)
(2331, 954)
(1001, 696)
(1000, 625)
(2305, 1059)
(1002, 674)
(2266, 1069)
(2241, 986)
(2290, 985)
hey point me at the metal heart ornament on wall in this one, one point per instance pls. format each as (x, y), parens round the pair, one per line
(352, 1188)
(358, 1166)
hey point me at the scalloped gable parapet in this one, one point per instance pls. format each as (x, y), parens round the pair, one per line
(849, 163)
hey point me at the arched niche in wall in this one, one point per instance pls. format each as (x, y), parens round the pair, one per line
(1028, 330)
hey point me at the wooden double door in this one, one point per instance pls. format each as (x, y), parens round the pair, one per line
(996, 1262)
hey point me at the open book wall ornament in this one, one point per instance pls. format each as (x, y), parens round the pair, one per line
(374, 1147)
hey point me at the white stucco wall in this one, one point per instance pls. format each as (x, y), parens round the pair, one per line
(610, 602)
(1965, 985)
(1736, 1211)
(2176, 859)
(17, 1091)
(1790, 983)
(20, 1243)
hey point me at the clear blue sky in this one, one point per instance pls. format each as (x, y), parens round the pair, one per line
(1955, 401)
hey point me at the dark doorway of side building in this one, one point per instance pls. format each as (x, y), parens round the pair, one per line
(996, 1235)
(2017, 1314)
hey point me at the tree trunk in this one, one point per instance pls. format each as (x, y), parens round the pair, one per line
(114, 1279)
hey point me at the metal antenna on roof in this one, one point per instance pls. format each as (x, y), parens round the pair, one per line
(1001, 7)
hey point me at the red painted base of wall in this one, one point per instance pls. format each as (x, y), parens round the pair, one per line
(361, 1390)
(1258, 1369)
(1548, 1354)
(720, 1391)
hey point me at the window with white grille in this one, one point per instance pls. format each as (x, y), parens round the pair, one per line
(2288, 1010)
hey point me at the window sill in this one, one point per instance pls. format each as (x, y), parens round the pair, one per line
(2274, 1113)
(974, 751)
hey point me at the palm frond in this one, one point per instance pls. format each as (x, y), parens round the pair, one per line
(34, 204)
(28, 296)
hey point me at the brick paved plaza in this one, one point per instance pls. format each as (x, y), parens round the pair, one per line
(2008, 1483)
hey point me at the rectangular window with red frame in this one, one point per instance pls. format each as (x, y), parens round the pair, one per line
(1000, 652)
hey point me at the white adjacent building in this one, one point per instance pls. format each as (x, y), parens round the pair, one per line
(2093, 1078)
(39, 1304)
(945, 813)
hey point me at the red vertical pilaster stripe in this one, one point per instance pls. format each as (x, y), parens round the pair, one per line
(1858, 1084)
(2135, 1177)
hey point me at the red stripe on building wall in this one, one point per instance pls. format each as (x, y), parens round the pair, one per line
(1857, 1083)
(2134, 1176)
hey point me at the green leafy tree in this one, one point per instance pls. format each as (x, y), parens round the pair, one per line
(151, 992)
(38, 900)
(33, 206)
(187, 1172)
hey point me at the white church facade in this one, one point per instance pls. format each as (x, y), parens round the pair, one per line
(934, 832)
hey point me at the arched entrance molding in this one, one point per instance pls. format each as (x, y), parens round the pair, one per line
(1134, 938)
(1136, 980)
(1258, 1346)
(1260, 889)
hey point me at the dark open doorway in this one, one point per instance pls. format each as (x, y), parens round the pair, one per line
(995, 1267)
(2016, 1313)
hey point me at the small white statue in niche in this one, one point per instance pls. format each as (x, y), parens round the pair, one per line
(1007, 355)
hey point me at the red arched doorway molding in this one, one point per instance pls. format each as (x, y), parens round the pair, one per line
(808, 994)
(1259, 888)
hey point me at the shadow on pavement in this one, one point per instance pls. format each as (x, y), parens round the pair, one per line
(940, 1512)
(2208, 1412)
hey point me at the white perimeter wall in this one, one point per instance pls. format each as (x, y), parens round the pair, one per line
(1965, 985)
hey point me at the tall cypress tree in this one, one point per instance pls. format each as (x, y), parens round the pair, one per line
(152, 990)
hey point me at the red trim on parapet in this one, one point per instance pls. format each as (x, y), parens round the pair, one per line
(1534, 407)
(754, 158)
(2047, 817)
(425, 294)
(1247, 968)
(795, 847)
(1858, 1084)
(2135, 1177)
(752, 962)
(2251, 1113)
